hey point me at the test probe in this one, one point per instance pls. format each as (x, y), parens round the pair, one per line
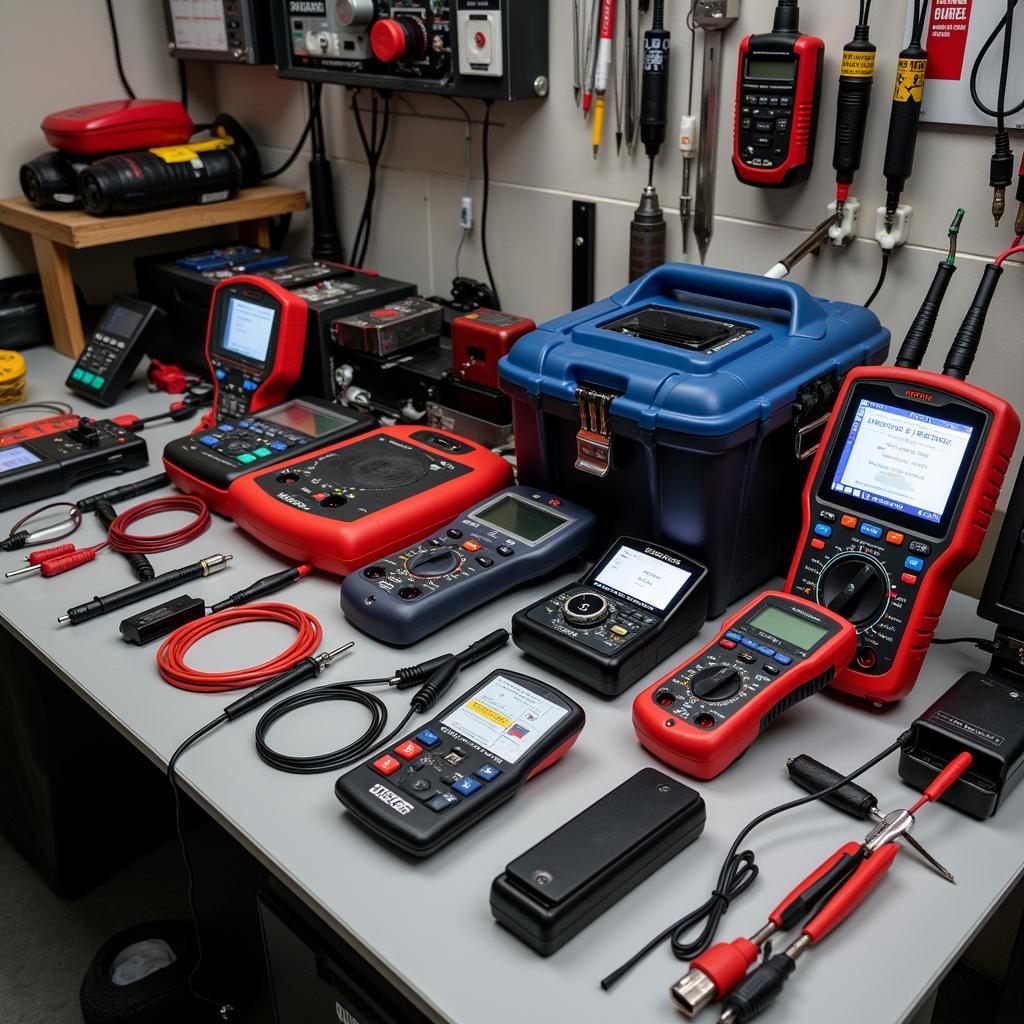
(844, 887)
(856, 76)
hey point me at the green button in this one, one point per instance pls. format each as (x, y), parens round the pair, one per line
(261, 453)
(77, 373)
(247, 457)
(98, 382)
(86, 378)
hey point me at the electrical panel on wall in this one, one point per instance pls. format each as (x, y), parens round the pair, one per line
(954, 35)
(233, 31)
(484, 49)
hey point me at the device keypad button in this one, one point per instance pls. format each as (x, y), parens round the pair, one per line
(848, 522)
(409, 750)
(387, 765)
(443, 801)
(919, 547)
(894, 537)
(747, 659)
(487, 772)
(467, 786)
(427, 738)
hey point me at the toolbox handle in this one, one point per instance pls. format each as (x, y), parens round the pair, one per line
(806, 314)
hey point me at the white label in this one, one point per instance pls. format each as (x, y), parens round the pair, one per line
(505, 718)
(643, 577)
(199, 24)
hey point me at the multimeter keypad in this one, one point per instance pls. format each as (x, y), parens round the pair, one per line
(95, 363)
(869, 574)
(766, 118)
(250, 440)
(439, 777)
(235, 389)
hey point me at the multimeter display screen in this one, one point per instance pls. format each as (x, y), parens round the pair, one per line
(505, 718)
(773, 70)
(788, 627)
(15, 457)
(901, 460)
(121, 321)
(305, 419)
(520, 518)
(247, 329)
(643, 577)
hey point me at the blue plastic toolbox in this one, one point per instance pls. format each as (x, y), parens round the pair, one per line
(685, 409)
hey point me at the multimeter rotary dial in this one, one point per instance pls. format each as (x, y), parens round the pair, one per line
(856, 586)
(433, 563)
(586, 609)
(717, 682)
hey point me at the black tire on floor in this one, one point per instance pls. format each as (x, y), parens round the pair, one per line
(161, 998)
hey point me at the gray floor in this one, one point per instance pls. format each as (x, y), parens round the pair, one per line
(46, 943)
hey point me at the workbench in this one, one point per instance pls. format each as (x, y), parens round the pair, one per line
(56, 232)
(427, 924)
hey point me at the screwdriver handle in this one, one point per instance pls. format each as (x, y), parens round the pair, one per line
(852, 102)
(815, 777)
(142, 568)
(852, 894)
(654, 91)
(825, 878)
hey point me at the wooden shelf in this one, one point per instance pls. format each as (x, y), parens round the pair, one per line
(77, 229)
(54, 232)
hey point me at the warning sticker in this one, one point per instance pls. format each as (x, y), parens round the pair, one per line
(947, 40)
(910, 75)
(505, 718)
(857, 64)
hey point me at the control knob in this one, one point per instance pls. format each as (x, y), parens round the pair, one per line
(434, 563)
(717, 682)
(397, 39)
(351, 13)
(85, 432)
(854, 587)
(586, 609)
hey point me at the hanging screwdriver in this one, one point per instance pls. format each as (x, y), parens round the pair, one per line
(815, 777)
(603, 69)
(856, 76)
(654, 86)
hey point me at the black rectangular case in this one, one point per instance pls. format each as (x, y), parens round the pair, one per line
(555, 889)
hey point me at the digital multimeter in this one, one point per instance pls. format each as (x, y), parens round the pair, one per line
(350, 503)
(514, 536)
(775, 652)
(206, 462)
(114, 350)
(639, 603)
(472, 757)
(37, 460)
(255, 343)
(899, 498)
(778, 90)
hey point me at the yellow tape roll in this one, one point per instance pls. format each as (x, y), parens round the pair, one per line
(12, 377)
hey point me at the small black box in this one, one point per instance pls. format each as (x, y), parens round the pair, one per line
(554, 890)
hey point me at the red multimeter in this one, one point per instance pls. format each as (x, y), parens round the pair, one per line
(349, 504)
(255, 343)
(704, 713)
(897, 503)
(775, 652)
(778, 90)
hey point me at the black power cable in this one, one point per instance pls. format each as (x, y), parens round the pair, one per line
(314, 112)
(373, 148)
(487, 199)
(116, 41)
(886, 253)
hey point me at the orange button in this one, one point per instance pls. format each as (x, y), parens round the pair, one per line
(894, 537)
(848, 521)
(408, 750)
(387, 765)
(472, 545)
(817, 543)
(909, 578)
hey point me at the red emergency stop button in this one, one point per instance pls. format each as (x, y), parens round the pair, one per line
(480, 39)
(395, 39)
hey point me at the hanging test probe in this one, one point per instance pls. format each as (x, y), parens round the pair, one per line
(1001, 163)
(856, 77)
(905, 115)
(714, 17)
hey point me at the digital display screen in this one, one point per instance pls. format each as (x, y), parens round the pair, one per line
(901, 460)
(774, 70)
(15, 457)
(519, 518)
(247, 329)
(788, 627)
(305, 419)
(643, 577)
(121, 321)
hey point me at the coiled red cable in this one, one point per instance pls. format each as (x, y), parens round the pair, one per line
(121, 540)
(170, 659)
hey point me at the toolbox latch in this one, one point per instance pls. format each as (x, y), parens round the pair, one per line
(811, 412)
(594, 438)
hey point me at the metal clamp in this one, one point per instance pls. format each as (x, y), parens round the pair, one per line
(803, 453)
(593, 439)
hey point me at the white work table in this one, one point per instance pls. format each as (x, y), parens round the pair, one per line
(427, 924)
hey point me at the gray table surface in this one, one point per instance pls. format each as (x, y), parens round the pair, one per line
(427, 924)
